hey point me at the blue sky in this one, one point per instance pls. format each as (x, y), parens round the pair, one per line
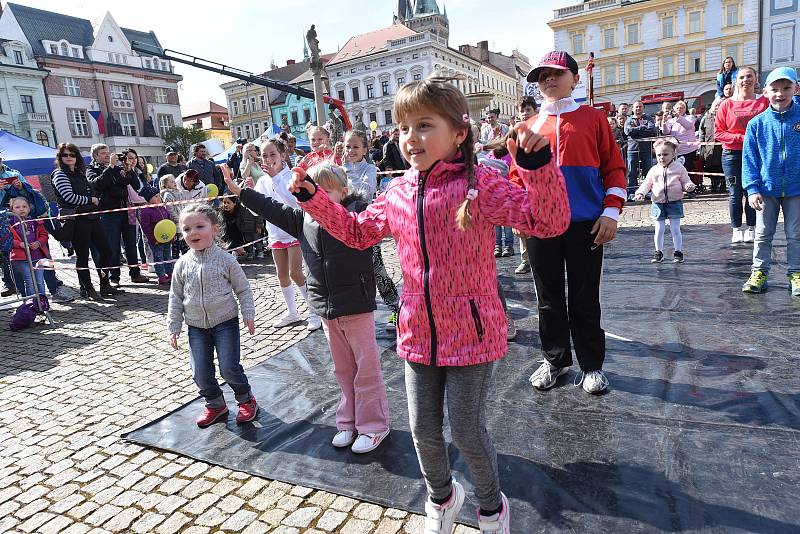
(247, 34)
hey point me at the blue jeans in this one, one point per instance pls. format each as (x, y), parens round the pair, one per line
(225, 339)
(118, 229)
(732, 168)
(162, 252)
(503, 233)
(766, 221)
(24, 277)
(638, 161)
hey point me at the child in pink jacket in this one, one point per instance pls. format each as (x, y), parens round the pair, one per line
(442, 214)
(667, 181)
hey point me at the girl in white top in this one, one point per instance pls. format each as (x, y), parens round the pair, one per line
(285, 248)
(250, 167)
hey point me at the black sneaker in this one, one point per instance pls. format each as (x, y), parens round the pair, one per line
(658, 257)
(677, 257)
(508, 251)
(7, 292)
(498, 251)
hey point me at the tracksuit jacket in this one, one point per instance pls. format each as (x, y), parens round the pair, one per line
(450, 311)
(771, 153)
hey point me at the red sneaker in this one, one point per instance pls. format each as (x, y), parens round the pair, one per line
(247, 411)
(211, 415)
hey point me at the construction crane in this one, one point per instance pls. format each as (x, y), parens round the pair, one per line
(255, 79)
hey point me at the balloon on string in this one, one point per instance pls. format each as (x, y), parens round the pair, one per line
(164, 231)
(373, 126)
(212, 190)
(150, 168)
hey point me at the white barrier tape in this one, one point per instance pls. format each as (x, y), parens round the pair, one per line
(131, 208)
(47, 264)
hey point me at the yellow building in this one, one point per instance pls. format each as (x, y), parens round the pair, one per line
(647, 47)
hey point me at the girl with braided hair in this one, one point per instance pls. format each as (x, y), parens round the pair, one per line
(442, 213)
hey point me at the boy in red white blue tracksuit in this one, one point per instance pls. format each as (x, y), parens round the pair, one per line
(586, 152)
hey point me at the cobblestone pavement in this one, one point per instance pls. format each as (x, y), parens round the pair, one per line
(70, 390)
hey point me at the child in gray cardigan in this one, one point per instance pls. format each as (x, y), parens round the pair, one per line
(201, 294)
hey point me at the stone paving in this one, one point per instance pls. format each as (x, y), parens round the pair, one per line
(70, 390)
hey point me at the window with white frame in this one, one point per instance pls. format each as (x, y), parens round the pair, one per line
(668, 27)
(148, 63)
(64, 49)
(54, 49)
(694, 61)
(732, 14)
(577, 43)
(120, 91)
(247, 131)
(76, 51)
(244, 105)
(668, 66)
(609, 38)
(633, 33)
(165, 122)
(256, 130)
(782, 42)
(127, 122)
(384, 87)
(401, 81)
(609, 76)
(238, 131)
(27, 103)
(72, 87)
(387, 116)
(695, 21)
(634, 71)
(733, 51)
(235, 106)
(161, 95)
(18, 57)
(253, 103)
(42, 138)
(78, 125)
(263, 101)
(370, 90)
(266, 125)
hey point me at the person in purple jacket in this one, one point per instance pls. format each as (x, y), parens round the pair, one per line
(148, 218)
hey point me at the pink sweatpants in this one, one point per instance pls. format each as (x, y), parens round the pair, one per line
(364, 406)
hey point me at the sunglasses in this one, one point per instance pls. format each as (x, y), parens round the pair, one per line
(68, 155)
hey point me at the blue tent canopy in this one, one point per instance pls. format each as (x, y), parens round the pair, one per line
(27, 157)
(273, 132)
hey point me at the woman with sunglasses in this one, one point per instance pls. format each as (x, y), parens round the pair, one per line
(75, 197)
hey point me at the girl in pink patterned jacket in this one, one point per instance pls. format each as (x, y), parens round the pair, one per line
(451, 328)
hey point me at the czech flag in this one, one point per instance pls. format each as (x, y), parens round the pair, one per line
(98, 117)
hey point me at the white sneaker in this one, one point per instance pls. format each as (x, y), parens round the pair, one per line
(440, 517)
(286, 320)
(499, 523)
(737, 235)
(343, 438)
(314, 322)
(368, 442)
(749, 235)
(593, 381)
(546, 375)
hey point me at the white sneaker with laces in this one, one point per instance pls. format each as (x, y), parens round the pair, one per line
(737, 235)
(546, 375)
(749, 235)
(593, 381)
(368, 442)
(314, 322)
(286, 320)
(499, 523)
(343, 438)
(440, 517)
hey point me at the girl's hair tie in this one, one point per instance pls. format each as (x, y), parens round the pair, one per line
(465, 117)
(472, 194)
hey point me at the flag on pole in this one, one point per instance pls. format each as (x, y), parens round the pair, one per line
(98, 117)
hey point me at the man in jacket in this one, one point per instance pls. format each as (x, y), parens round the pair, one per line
(205, 167)
(171, 166)
(110, 181)
(640, 153)
(392, 158)
(235, 159)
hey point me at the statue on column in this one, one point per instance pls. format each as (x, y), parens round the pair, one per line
(358, 123)
(313, 43)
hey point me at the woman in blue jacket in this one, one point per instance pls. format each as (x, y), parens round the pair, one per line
(727, 75)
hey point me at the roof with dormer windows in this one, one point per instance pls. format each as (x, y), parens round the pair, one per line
(371, 42)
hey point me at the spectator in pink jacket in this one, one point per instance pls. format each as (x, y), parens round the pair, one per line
(683, 127)
(442, 214)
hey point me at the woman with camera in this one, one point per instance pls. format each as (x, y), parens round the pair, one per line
(75, 197)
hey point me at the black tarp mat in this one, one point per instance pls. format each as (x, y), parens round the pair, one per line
(700, 430)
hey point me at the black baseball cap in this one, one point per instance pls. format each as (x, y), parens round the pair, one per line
(170, 150)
